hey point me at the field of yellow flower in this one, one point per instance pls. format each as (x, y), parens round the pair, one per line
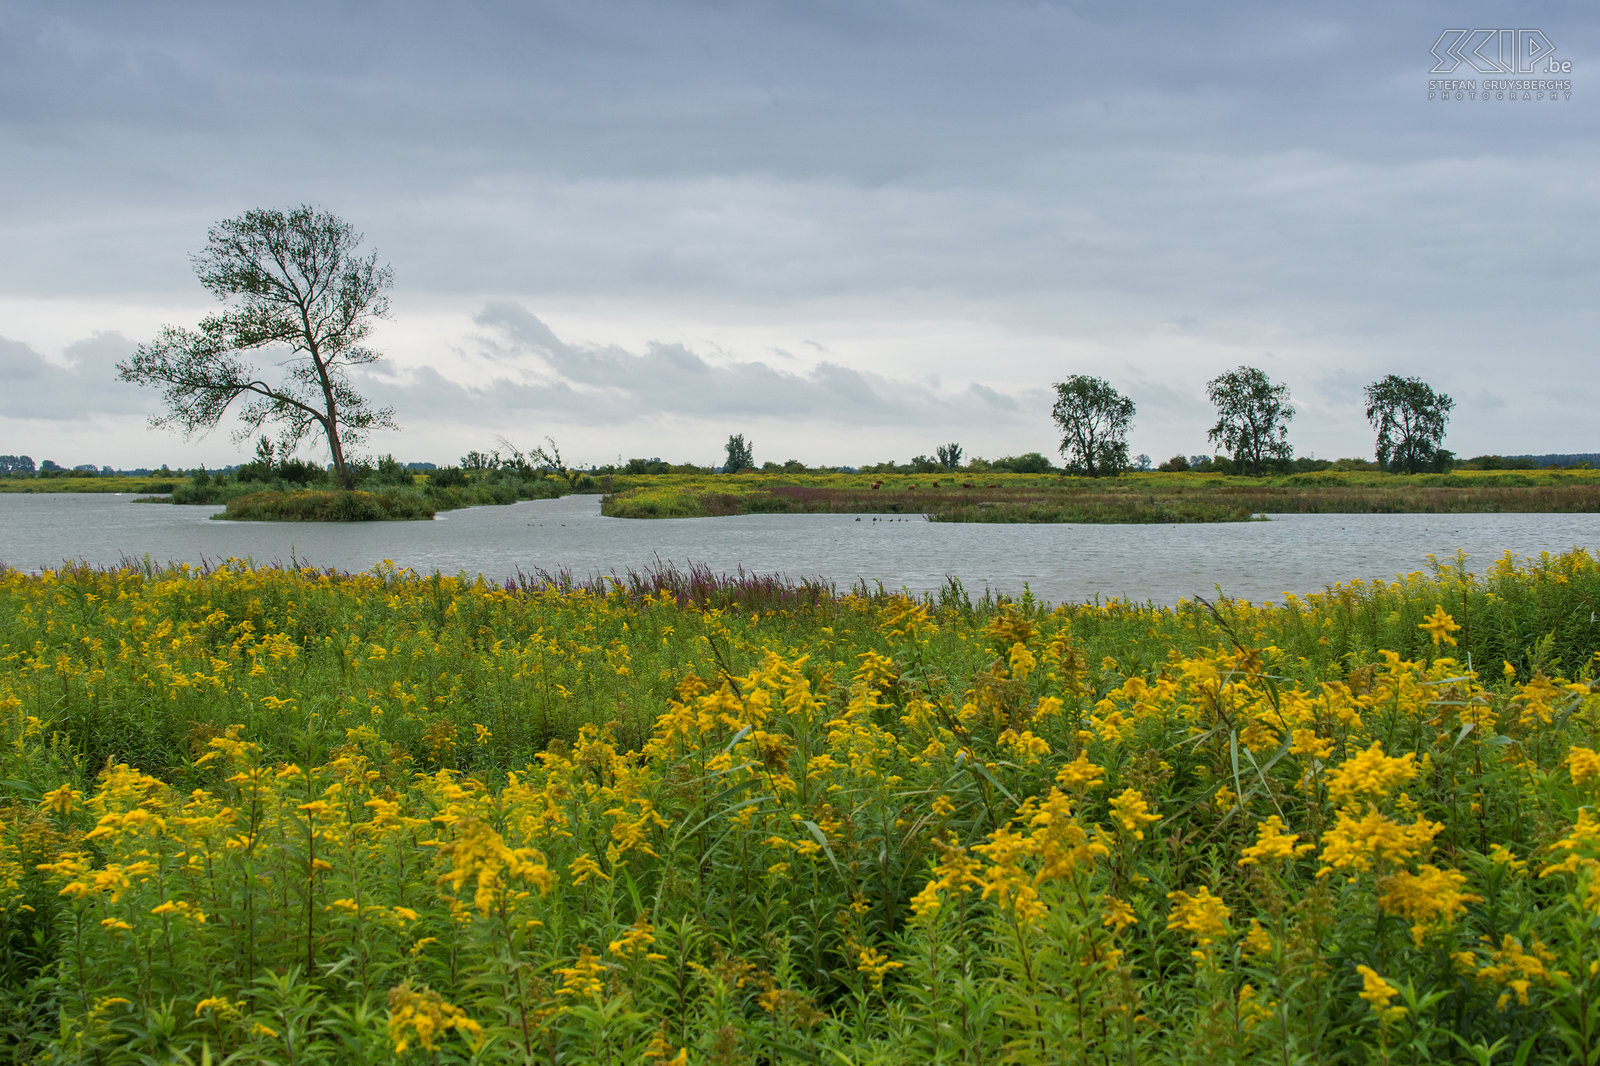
(255, 815)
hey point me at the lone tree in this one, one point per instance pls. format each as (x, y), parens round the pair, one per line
(949, 455)
(297, 293)
(1253, 417)
(741, 455)
(1094, 420)
(1409, 417)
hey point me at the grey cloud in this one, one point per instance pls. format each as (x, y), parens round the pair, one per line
(20, 363)
(1153, 396)
(989, 398)
(540, 374)
(1257, 176)
(88, 387)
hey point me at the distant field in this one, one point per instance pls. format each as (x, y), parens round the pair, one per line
(963, 496)
(99, 483)
(1142, 497)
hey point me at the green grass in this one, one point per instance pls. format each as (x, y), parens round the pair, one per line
(1140, 497)
(315, 506)
(416, 501)
(98, 483)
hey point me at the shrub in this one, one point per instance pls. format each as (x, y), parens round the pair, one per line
(447, 477)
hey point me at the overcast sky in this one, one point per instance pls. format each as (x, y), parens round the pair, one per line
(849, 230)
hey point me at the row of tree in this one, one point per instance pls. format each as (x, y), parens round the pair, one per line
(1253, 416)
(297, 281)
(23, 466)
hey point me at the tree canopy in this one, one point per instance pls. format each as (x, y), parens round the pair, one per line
(741, 455)
(1094, 420)
(1253, 416)
(1409, 417)
(298, 297)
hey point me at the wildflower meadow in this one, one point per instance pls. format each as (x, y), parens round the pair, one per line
(295, 816)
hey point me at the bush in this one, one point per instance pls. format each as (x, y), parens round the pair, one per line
(341, 506)
(447, 477)
(1027, 463)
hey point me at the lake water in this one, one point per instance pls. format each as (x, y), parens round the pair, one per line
(1060, 563)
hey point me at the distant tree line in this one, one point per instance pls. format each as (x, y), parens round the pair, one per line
(1252, 426)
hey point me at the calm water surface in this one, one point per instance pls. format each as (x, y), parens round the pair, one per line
(1060, 563)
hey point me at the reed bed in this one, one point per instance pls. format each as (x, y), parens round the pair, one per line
(272, 815)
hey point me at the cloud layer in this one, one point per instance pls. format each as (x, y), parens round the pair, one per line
(845, 225)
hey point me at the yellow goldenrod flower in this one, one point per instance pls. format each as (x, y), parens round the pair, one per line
(1273, 844)
(425, 1016)
(1518, 968)
(219, 1005)
(583, 868)
(876, 965)
(1429, 899)
(582, 978)
(1131, 813)
(1439, 626)
(1372, 840)
(640, 935)
(1370, 775)
(1080, 774)
(1119, 914)
(1308, 745)
(1200, 914)
(1584, 766)
(1257, 939)
(1378, 992)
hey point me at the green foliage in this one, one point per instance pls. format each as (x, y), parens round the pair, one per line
(447, 477)
(741, 455)
(1094, 420)
(1410, 418)
(1499, 462)
(1026, 463)
(289, 281)
(978, 495)
(339, 506)
(1253, 416)
(385, 471)
(256, 815)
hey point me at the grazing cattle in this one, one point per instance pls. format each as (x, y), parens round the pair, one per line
(876, 485)
(966, 484)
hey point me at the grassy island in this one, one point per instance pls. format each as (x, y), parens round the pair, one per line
(1135, 497)
(264, 815)
(381, 496)
(391, 504)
